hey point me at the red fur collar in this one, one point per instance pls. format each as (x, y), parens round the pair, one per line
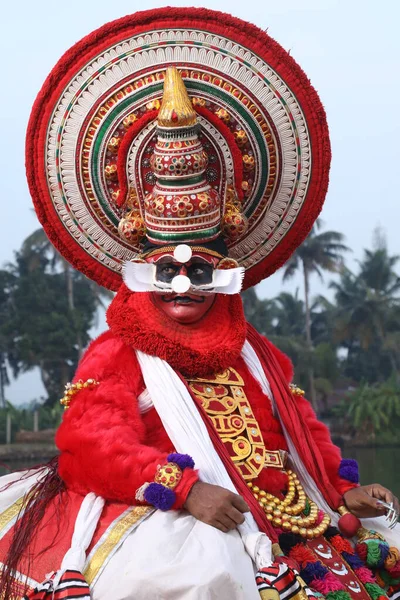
(195, 350)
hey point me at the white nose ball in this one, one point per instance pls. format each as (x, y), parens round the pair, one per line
(182, 253)
(180, 284)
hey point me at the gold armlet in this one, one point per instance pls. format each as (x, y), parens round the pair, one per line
(73, 388)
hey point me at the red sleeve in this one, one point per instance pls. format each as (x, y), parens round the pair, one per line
(102, 436)
(330, 453)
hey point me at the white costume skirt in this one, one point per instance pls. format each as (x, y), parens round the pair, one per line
(169, 556)
(173, 556)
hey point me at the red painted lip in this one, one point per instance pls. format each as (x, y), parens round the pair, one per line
(183, 300)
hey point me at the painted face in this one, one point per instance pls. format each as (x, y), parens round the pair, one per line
(197, 270)
(184, 308)
(184, 272)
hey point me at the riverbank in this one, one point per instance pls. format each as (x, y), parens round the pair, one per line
(19, 452)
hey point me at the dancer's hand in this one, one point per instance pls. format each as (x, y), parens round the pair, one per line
(367, 501)
(216, 506)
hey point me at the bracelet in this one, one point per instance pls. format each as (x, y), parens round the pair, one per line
(160, 493)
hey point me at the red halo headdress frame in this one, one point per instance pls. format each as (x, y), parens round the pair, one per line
(92, 130)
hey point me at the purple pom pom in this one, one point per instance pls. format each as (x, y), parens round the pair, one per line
(159, 496)
(349, 470)
(314, 570)
(384, 550)
(353, 560)
(182, 460)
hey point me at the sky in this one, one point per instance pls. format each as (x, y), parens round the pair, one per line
(350, 50)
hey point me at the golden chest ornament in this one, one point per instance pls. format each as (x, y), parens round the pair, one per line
(224, 400)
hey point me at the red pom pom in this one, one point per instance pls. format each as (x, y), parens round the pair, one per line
(394, 571)
(349, 525)
(302, 555)
(362, 551)
(341, 545)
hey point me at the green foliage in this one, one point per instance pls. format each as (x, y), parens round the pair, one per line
(367, 317)
(372, 412)
(319, 252)
(47, 310)
(353, 340)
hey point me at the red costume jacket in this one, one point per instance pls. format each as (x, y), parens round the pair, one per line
(109, 448)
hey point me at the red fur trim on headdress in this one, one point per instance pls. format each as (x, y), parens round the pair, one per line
(233, 147)
(128, 138)
(197, 350)
(170, 17)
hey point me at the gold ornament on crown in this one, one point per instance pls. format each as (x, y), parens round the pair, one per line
(131, 227)
(176, 108)
(234, 223)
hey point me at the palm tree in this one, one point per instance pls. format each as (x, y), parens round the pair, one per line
(259, 312)
(289, 314)
(36, 246)
(319, 252)
(368, 306)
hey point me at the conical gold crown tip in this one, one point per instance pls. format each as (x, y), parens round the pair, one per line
(176, 108)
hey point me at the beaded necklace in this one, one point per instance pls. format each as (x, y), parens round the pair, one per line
(295, 512)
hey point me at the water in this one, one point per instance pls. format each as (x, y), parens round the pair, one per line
(377, 465)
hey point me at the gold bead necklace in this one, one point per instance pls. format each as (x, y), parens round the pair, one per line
(287, 514)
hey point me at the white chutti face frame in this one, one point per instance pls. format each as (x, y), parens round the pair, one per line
(142, 277)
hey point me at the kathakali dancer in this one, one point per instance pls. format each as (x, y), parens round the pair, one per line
(178, 156)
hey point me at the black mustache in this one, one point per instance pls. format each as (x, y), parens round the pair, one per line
(200, 299)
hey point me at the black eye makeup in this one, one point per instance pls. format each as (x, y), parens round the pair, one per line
(165, 272)
(199, 273)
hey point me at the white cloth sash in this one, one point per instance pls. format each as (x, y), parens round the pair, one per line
(181, 419)
(189, 435)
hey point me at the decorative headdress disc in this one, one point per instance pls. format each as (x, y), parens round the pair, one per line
(92, 140)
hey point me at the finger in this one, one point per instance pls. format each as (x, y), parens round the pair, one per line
(239, 503)
(219, 525)
(370, 500)
(380, 506)
(236, 515)
(396, 504)
(227, 521)
(393, 505)
(380, 492)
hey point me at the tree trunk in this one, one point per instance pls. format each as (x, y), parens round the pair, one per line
(3, 381)
(313, 395)
(8, 428)
(70, 287)
(71, 306)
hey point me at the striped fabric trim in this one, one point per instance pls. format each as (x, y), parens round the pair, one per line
(281, 579)
(72, 586)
